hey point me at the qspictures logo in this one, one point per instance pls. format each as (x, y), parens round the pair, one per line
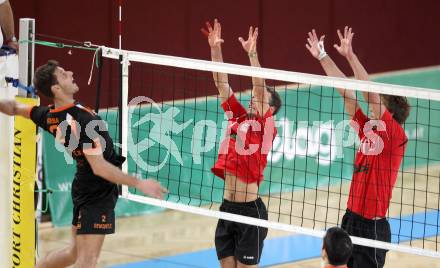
(163, 125)
(160, 127)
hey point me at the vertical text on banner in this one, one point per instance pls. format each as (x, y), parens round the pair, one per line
(24, 172)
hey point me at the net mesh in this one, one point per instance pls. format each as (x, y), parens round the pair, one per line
(176, 123)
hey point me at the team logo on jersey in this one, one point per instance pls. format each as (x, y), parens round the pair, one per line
(104, 225)
(78, 223)
(248, 257)
(360, 168)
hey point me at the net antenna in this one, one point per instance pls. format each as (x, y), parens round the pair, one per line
(123, 111)
(423, 94)
(120, 23)
(100, 66)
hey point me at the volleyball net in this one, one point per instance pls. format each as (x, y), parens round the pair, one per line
(307, 179)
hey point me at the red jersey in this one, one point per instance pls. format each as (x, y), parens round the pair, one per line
(243, 152)
(376, 164)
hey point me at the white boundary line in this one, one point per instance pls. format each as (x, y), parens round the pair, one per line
(279, 75)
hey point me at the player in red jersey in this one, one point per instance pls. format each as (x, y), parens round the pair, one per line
(383, 143)
(242, 157)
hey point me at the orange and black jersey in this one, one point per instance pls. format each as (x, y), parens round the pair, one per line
(81, 131)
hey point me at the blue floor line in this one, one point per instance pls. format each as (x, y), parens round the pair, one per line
(294, 248)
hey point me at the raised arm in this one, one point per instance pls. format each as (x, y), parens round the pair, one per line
(12, 107)
(316, 49)
(7, 24)
(259, 92)
(346, 49)
(215, 40)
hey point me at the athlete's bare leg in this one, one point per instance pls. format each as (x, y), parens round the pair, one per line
(241, 265)
(228, 262)
(89, 247)
(60, 258)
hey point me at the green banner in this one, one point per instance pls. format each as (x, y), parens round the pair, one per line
(178, 145)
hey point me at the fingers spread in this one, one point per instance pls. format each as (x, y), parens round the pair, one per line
(208, 26)
(255, 34)
(310, 36)
(204, 32)
(340, 35)
(315, 36)
(219, 29)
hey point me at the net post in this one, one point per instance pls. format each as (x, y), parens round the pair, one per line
(123, 111)
(27, 53)
(23, 67)
(99, 79)
(6, 161)
(26, 63)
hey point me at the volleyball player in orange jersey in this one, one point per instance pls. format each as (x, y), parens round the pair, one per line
(94, 188)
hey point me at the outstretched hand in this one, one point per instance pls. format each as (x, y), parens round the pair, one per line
(250, 45)
(345, 48)
(152, 188)
(315, 45)
(214, 35)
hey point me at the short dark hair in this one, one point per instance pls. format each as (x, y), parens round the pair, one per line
(337, 244)
(45, 78)
(275, 99)
(398, 106)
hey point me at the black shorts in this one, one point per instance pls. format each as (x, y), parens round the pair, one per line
(89, 219)
(243, 241)
(359, 226)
